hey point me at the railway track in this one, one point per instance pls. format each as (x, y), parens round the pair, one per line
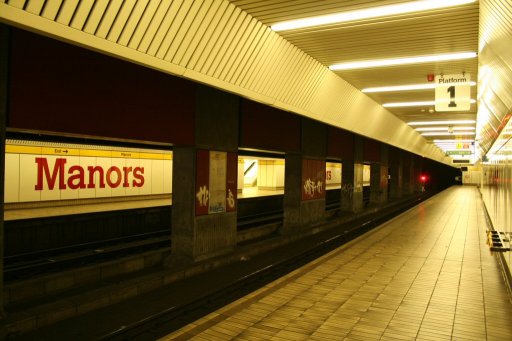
(172, 318)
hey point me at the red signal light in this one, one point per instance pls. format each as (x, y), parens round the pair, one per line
(423, 178)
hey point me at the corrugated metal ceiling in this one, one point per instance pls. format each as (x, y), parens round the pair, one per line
(227, 44)
(433, 32)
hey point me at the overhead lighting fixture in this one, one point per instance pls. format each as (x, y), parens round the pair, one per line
(408, 104)
(455, 140)
(444, 128)
(402, 61)
(409, 87)
(413, 104)
(367, 13)
(421, 123)
(459, 133)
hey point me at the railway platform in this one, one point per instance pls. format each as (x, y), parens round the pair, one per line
(427, 274)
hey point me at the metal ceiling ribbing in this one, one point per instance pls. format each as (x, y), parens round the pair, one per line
(220, 44)
(495, 51)
(448, 30)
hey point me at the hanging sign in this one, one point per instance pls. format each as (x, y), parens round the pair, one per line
(459, 152)
(453, 92)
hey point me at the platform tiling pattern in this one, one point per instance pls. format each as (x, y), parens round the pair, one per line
(426, 275)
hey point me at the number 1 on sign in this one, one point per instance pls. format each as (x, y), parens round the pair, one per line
(451, 90)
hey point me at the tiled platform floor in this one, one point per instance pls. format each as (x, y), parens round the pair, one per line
(426, 275)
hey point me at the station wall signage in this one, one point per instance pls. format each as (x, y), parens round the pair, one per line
(453, 92)
(313, 179)
(216, 182)
(40, 171)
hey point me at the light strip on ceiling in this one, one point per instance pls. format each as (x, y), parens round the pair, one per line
(421, 123)
(413, 104)
(444, 128)
(364, 64)
(456, 141)
(459, 133)
(367, 13)
(409, 87)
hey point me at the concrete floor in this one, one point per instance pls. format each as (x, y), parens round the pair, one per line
(428, 274)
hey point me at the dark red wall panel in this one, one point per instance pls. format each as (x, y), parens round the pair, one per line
(268, 128)
(371, 150)
(340, 144)
(60, 87)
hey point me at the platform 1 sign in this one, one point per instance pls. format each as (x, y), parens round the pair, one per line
(453, 92)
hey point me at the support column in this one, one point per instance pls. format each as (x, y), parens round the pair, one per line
(347, 186)
(407, 174)
(304, 194)
(396, 174)
(357, 203)
(292, 193)
(4, 93)
(204, 217)
(416, 174)
(376, 190)
(352, 180)
(384, 173)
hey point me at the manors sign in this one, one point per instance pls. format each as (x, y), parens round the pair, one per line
(39, 171)
(77, 178)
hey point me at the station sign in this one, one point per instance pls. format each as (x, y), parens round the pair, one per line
(216, 182)
(459, 152)
(453, 92)
(38, 171)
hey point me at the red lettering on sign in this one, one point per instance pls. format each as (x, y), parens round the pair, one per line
(58, 171)
(114, 184)
(72, 180)
(101, 173)
(126, 171)
(138, 174)
(77, 176)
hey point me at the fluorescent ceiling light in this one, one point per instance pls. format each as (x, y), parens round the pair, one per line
(368, 13)
(408, 104)
(459, 133)
(402, 61)
(413, 104)
(455, 141)
(421, 123)
(409, 87)
(444, 128)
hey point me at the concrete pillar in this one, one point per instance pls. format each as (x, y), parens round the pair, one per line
(384, 172)
(200, 230)
(407, 174)
(292, 193)
(4, 69)
(416, 174)
(352, 180)
(304, 194)
(357, 202)
(376, 190)
(347, 186)
(396, 174)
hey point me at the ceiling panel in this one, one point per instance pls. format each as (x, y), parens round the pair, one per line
(432, 32)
